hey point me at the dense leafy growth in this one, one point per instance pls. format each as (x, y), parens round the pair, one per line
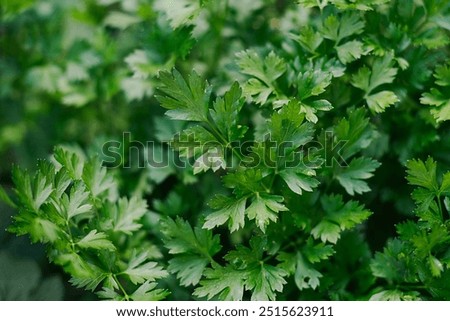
(277, 172)
(74, 207)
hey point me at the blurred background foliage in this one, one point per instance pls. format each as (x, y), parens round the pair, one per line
(83, 72)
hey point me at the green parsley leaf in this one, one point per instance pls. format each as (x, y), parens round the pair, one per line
(140, 271)
(387, 264)
(258, 90)
(361, 79)
(244, 257)
(305, 275)
(445, 186)
(96, 240)
(264, 208)
(355, 131)
(213, 159)
(224, 282)
(287, 127)
(350, 24)
(381, 73)
(83, 274)
(110, 294)
(310, 109)
(266, 71)
(436, 266)
(393, 295)
(194, 249)
(225, 113)
(346, 215)
(181, 238)
(265, 281)
(147, 292)
(339, 216)
(72, 162)
(188, 268)
(308, 39)
(124, 215)
(76, 203)
(426, 204)
(439, 98)
(185, 100)
(6, 199)
(244, 181)
(98, 181)
(422, 174)
(32, 192)
(327, 231)
(442, 75)
(352, 177)
(347, 25)
(436, 98)
(312, 83)
(260, 278)
(381, 100)
(350, 51)
(194, 142)
(179, 12)
(299, 181)
(228, 209)
(315, 253)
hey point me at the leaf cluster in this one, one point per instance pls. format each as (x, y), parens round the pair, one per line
(73, 206)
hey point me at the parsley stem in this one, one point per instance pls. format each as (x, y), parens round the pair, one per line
(272, 180)
(411, 287)
(69, 234)
(440, 207)
(125, 294)
(222, 139)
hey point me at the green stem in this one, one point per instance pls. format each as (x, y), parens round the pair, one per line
(410, 287)
(125, 294)
(222, 139)
(206, 255)
(69, 234)
(272, 180)
(441, 212)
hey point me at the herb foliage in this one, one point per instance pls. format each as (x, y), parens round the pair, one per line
(289, 127)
